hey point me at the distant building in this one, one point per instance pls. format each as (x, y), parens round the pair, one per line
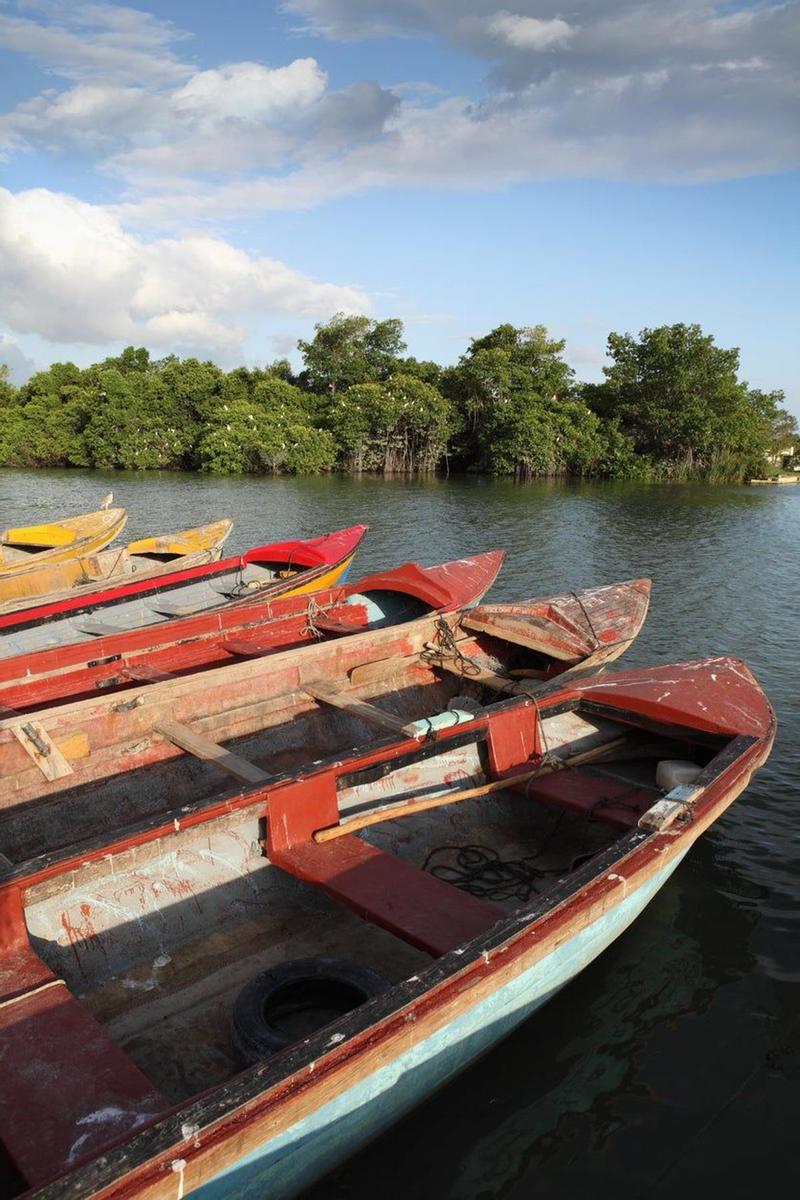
(787, 459)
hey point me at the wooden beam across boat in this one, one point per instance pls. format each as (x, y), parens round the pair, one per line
(338, 697)
(202, 747)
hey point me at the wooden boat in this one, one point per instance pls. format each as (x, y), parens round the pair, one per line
(29, 546)
(83, 614)
(73, 748)
(226, 998)
(32, 681)
(148, 558)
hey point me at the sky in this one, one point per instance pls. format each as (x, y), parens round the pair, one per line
(215, 178)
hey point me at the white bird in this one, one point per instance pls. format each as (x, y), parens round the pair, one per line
(106, 501)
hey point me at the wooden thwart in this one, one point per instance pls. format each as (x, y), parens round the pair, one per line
(170, 608)
(500, 683)
(202, 747)
(328, 694)
(495, 785)
(100, 628)
(244, 649)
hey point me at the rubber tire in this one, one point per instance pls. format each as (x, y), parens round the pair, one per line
(254, 1037)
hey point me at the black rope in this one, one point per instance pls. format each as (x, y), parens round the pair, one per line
(480, 871)
(588, 619)
(448, 648)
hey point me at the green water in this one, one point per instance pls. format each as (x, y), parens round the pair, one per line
(671, 1065)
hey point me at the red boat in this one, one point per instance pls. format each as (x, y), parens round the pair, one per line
(29, 682)
(106, 736)
(278, 569)
(220, 991)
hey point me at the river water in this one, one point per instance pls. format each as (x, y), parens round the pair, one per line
(671, 1064)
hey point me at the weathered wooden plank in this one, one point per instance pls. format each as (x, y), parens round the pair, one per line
(39, 746)
(476, 674)
(384, 669)
(168, 608)
(524, 631)
(202, 747)
(329, 694)
(244, 649)
(419, 908)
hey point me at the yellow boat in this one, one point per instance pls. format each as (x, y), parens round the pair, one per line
(146, 558)
(57, 541)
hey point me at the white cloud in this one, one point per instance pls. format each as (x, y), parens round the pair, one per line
(248, 91)
(528, 33)
(679, 91)
(96, 40)
(71, 273)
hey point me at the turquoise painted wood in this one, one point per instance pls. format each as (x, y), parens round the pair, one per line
(285, 1165)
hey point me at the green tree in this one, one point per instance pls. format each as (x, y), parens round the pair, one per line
(268, 433)
(678, 397)
(401, 426)
(348, 350)
(520, 411)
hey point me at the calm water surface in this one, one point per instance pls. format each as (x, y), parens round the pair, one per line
(670, 1065)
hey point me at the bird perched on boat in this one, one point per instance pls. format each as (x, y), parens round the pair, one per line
(106, 501)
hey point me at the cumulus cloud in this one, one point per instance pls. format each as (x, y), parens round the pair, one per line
(241, 116)
(249, 91)
(71, 273)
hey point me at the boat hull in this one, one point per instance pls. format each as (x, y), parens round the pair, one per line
(30, 682)
(84, 920)
(153, 601)
(285, 1165)
(26, 575)
(57, 581)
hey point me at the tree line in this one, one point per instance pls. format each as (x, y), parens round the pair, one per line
(671, 406)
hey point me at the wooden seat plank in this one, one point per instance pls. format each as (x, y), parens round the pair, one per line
(167, 608)
(66, 1089)
(338, 698)
(413, 905)
(202, 747)
(610, 800)
(244, 649)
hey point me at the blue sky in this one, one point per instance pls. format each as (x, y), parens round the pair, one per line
(214, 179)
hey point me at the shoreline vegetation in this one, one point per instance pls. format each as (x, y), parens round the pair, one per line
(670, 408)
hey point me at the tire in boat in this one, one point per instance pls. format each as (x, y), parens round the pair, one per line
(288, 1002)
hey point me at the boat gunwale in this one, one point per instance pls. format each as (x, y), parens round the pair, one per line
(142, 1164)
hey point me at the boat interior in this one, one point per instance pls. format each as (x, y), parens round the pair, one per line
(28, 544)
(165, 897)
